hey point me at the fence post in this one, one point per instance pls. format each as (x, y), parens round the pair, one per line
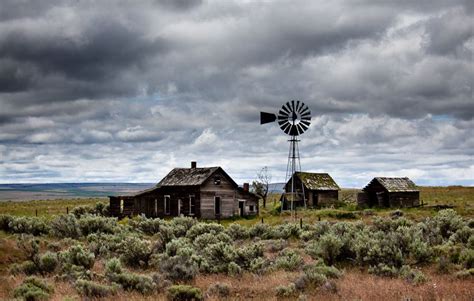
(36, 212)
(67, 210)
(319, 218)
(262, 220)
(301, 223)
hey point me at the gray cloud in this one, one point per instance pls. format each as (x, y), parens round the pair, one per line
(114, 84)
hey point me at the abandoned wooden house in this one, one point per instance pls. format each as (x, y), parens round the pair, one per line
(207, 192)
(318, 189)
(389, 192)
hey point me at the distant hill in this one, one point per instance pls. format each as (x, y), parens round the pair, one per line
(18, 192)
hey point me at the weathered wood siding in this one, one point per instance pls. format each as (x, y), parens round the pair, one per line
(326, 197)
(404, 199)
(225, 190)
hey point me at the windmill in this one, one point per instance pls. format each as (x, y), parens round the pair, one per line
(294, 119)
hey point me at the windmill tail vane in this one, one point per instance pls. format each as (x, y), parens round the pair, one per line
(294, 119)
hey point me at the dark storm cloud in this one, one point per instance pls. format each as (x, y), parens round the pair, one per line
(112, 83)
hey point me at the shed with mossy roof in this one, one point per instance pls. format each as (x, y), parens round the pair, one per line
(314, 189)
(389, 192)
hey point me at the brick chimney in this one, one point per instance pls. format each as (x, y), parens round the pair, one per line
(193, 164)
(246, 187)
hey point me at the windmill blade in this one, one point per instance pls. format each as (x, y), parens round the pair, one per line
(286, 127)
(294, 130)
(283, 114)
(305, 111)
(303, 126)
(297, 106)
(267, 117)
(304, 122)
(282, 122)
(300, 128)
(284, 110)
(288, 107)
(293, 106)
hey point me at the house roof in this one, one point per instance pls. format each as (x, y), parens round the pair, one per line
(396, 184)
(317, 181)
(191, 176)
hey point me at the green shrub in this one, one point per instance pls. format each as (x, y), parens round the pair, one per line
(5, 221)
(411, 275)
(260, 230)
(33, 289)
(97, 224)
(219, 289)
(146, 225)
(135, 251)
(321, 268)
(285, 291)
(28, 225)
(78, 256)
(184, 293)
(448, 222)
(218, 256)
(383, 270)
(201, 228)
(182, 224)
(467, 258)
(27, 267)
(134, 282)
(48, 262)
(207, 239)
(233, 269)
(259, 266)
(94, 290)
(465, 274)
(275, 245)
(328, 247)
(112, 267)
(106, 244)
(80, 211)
(29, 246)
(236, 231)
(289, 260)
(284, 231)
(245, 255)
(421, 251)
(65, 226)
(462, 235)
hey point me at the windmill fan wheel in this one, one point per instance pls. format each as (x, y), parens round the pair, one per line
(294, 118)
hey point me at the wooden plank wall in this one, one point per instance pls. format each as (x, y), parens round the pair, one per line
(225, 190)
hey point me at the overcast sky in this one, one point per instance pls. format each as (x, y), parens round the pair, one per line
(123, 91)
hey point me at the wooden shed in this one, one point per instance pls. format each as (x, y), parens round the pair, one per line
(389, 192)
(207, 192)
(318, 189)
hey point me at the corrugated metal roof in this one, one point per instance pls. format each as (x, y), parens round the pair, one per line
(397, 184)
(317, 181)
(187, 176)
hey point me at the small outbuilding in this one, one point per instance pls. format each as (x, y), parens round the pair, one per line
(316, 189)
(389, 192)
(207, 192)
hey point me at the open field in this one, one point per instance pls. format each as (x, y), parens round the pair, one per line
(335, 254)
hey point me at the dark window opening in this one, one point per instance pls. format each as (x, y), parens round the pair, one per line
(192, 205)
(167, 204)
(217, 205)
(217, 181)
(180, 207)
(251, 208)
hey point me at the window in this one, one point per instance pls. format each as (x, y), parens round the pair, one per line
(156, 207)
(217, 205)
(192, 204)
(167, 204)
(217, 181)
(180, 207)
(251, 208)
